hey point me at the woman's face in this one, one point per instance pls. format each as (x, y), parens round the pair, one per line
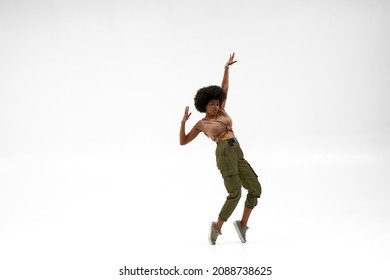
(212, 107)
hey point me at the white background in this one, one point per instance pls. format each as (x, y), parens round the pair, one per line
(92, 177)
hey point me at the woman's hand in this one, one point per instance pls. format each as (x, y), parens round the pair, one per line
(187, 138)
(231, 60)
(186, 115)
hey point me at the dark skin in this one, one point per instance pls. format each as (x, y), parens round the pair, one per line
(212, 108)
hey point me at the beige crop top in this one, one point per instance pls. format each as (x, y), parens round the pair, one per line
(216, 128)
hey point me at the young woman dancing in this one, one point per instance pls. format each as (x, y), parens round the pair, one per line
(235, 170)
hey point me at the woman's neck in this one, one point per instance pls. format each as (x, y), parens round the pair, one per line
(210, 117)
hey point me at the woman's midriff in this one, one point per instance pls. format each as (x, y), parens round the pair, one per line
(228, 135)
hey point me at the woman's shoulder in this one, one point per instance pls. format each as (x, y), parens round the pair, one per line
(199, 124)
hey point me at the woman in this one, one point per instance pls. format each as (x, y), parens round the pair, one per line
(235, 170)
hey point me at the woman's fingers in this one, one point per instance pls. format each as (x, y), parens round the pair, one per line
(231, 59)
(186, 114)
(186, 110)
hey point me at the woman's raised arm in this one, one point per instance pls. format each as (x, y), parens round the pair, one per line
(225, 80)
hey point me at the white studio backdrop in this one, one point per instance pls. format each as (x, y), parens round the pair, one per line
(92, 177)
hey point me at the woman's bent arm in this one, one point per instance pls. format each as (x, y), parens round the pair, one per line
(186, 138)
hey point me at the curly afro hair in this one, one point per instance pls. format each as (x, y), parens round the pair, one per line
(204, 95)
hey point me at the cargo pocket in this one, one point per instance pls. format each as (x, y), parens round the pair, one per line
(228, 166)
(227, 161)
(229, 172)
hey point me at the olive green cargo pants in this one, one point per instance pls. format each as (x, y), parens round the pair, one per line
(236, 172)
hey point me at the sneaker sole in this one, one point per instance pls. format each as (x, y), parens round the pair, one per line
(236, 226)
